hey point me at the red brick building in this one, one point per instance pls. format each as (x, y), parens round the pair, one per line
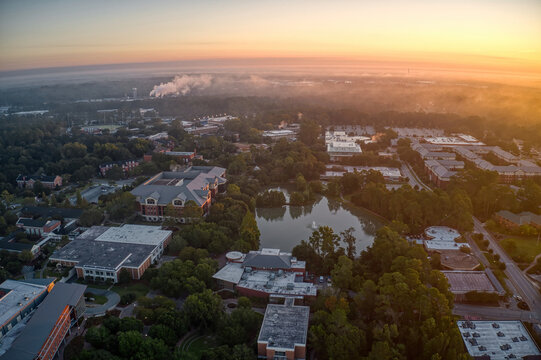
(28, 181)
(283, 333)
(172, 190)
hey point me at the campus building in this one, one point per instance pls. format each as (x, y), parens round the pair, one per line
(196, 183)
(38, 227)
(511, 220)
(18, 299)
(265, 273)
(125, 165)
(463, 282)
(28, 181)
(280, 134)
(283, 332)
(498, 340)
(101, 253)
(49, 325)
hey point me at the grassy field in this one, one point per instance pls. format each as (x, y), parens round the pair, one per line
(98, 299)
(139, 289)
(521, 249)
(196, 344)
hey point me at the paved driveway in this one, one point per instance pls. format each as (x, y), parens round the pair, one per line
(112, 300)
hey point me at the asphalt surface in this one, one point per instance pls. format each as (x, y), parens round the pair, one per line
(413, 179)
(520, 284)
(529, 293)
(112, 300)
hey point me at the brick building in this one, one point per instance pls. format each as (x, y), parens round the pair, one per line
(28, 181)
(283, 332)
(101, 253)
(126, 165)
(196, 183)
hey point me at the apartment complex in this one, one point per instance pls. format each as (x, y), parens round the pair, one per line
(28, 181)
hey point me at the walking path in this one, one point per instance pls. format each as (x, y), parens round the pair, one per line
(112, 300)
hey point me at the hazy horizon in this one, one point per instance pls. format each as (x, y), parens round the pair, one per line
(496, 35)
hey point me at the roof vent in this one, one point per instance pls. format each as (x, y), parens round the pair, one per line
(495, 325)
(505, 347)
(500, 334)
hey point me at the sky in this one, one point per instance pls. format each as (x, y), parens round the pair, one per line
(484, 34)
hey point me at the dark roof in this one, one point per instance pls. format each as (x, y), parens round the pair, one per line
(41, 211)
(42, 178)
(31, 222)
(10, 243)
(106, 254)
(524, 217)
(28, 344)
(267, 261)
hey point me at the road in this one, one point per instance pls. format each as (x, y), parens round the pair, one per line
(413, 179)
(491, 313)
(525, 287)
(519, 281)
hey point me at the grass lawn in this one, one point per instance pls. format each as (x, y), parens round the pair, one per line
(98, 299)
(525, 248)
(139, 289)
(197, 344)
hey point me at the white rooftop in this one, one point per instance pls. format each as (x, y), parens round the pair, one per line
(343, 147)
(497, 339)
(18, 294)
(442, 233)
(444, 245)
(135, 234)
(231, 273)
(451, 140)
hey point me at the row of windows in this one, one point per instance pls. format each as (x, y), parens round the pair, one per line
(102, 273)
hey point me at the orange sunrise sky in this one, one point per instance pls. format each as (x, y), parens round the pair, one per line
(485, 34)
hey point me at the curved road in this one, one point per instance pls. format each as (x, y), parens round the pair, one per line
(112, 300)
(530, 293)
(527, 290)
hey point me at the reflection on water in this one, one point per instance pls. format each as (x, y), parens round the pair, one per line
(286, 226)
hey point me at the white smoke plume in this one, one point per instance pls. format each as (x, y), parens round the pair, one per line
(182, 85)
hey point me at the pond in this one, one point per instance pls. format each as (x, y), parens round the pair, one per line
(285, 227)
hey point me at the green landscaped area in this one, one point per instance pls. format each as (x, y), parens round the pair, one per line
(139, 289)
(98, 299)
(195, 344)
(523, 249)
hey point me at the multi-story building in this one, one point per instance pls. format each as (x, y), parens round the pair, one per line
(49, 325)
(38, 227)
(101, 252)
(28, 181)
(18, 299)
(265, 273)
(283, 332)
(511, 220)
(174, 189)
(126, 165)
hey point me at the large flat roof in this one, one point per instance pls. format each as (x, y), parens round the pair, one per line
(284, 326)
(230, 273)
(135, 234)
(103, 254)
(15, 295)
(462, 282)
(38, 328)
(497, 339)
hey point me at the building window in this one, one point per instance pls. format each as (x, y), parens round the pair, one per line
(151, 201)
(177, 202)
